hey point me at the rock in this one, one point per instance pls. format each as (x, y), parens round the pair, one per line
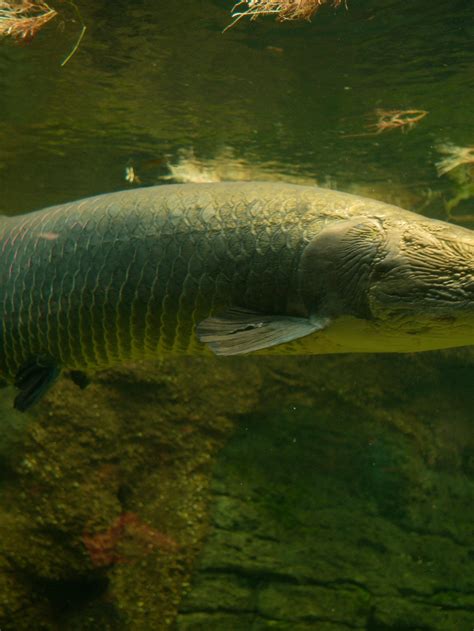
(291, 494)
(337, 506)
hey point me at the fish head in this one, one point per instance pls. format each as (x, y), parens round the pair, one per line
(408, 279)
(424, 285)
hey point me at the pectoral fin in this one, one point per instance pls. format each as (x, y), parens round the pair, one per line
(238, 331)
(33, 380)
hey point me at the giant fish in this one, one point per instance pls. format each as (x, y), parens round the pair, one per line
(233, 268)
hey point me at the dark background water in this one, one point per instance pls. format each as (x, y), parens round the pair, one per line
(343, 497)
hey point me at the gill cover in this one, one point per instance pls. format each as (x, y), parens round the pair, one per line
(337, 266)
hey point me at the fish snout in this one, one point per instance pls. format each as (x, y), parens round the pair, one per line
(429, 273)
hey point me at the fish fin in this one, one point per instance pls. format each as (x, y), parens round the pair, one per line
(79, 378)
(239, 331)
(33, 380)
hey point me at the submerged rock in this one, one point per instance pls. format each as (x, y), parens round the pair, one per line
(326, 492)
(343, 503)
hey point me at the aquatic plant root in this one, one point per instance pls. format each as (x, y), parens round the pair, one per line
(22, 19)
(455, 157)
(282, 9)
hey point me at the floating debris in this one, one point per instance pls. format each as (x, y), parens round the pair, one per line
(81, 34)
(458, 166)
(392, 119)
(397, 119)
(22, 19)
(189, 168)
(226, 166)
(275, 49)
(455, 157)
(283, 9)
(131, 176)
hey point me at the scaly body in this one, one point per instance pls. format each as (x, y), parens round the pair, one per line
(129, 274)
(132, 274)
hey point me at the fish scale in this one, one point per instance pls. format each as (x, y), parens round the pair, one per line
(84, 274)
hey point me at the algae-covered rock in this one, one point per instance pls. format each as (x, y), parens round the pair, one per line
(343, 503)
(21, 606)
(105, 508)
(311, 493)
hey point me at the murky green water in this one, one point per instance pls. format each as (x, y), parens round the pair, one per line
(148, 82)
(323, 493)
